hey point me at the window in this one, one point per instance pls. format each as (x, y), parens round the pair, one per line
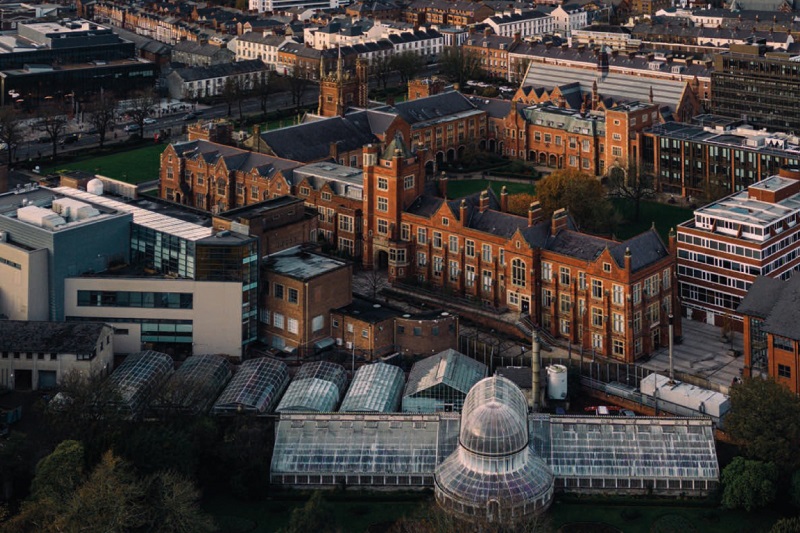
(487, 280)
(405, 232)
(606, 267)
(597, 342)
(292, 325)
(454, 270)
(597, 289)
(422, 259)
(616, 151)
(618, 323)
(346, 223)
(453, 244)
(383, 204)
(417, 331)
(513, 299)
(547, 298)
(469, 248)
(365, 333)
(277, 291)
(547, 271)
(597, 317)
(585, 145)
(617, 294)
(582, 281)
(637, 321)
(422, 235)
(346, 246)
(564, 276)
(518, 272)
(782, 343)
(618, 348)
(566, 303)
(437, 239)
(666, 279)
(437, 266)
(408, 182)
(326, 196)
(653, 314)
(469, 275)
(564, 326)
(335, 323)
(637, 293)
(445, 221)
(501, 256)
(277, 320)
(784, 371)
(293, 296)
(383, 227)
(383, 184)
(486, 252)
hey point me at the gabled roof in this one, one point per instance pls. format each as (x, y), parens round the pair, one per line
(646, 248)
(312, 141)
(433, 107)
(49, 337)
(235, 159)
(449, 368)
(784, 318)
(761, 297)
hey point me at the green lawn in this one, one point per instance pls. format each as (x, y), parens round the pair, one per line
(459, 188)
(132, 166)
(665, 216)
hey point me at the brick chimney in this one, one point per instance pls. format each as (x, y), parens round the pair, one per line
(334, 150)
(534, 213)
(462, 212)
(504, 199)
(558, 222)
(483, 204)
(673, 242)
(627, 259)
(443, 186)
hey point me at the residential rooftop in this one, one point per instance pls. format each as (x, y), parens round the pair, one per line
(298, 263)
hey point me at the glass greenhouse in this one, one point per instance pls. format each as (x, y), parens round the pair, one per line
(441, 382)
(360, 449)
(255, 388)
(663, 455)
(317, 387)
(137, 378)
(194, 386)
(375, 388)
(493, 474)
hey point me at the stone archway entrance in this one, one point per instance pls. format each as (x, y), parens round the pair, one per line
(382, 260)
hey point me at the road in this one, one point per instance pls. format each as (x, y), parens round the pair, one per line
(33, 150)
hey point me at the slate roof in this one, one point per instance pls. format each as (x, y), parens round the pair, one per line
(49, 337)
(646, 248)
(517, 17)
(235, 158)
(494, 107)
(761, 297)
(311, 141)
(578, 245)
(784, 318)
(434, 107)
(191, 47)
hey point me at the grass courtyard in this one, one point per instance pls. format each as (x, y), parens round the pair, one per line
(664, 216)
(132, 166)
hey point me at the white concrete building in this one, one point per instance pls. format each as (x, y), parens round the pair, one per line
(254, 45)
(526, 24)
(568, 18)
(261, 6)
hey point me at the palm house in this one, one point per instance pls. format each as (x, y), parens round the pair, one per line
(494, 474)
(376, 388)
(255, 388)
(316, 387)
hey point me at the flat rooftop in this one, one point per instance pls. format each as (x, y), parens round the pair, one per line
(256, 210)
(740, 207)
(332, 172)
(301, 264)
(369, 311)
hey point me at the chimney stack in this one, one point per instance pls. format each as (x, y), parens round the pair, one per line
(484, 201)
(627, 260)
(443, 186)
(504, 199)
(534, 213)
(559, 221)
(462, 212)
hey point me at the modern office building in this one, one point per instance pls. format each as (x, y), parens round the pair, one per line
(758, 85)
(714, 156)
(732, 241)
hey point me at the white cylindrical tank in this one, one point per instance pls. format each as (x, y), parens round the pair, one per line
(95, 186)
(557, 382)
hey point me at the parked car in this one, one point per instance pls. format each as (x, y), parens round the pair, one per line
(69, 139)
(627, 412)
(150, 120)
(190, 116)
(132, 128)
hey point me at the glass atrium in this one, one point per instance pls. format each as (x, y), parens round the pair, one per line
(255, 388)
(317, 387)
(375, 388)
(441, 382)
(194, 386)
(137, 378)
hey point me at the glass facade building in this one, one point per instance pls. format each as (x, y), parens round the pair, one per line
(194, 386)
(255, 388)
(375, 388)
(137, 378)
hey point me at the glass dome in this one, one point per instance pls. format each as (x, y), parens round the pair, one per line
(495, 418)
(493, 474)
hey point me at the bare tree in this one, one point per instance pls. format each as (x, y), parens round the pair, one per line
(102, 114)
(460, 64)
(262, 87)
(631, 184)
(381, 67)
(53, 121)
(229, 92)
(407, 64)
(10, 131)
(298, 81)
(140, 106)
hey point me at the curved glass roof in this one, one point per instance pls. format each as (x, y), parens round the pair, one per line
(495, 418)
(138, 377)
(255, 388)
(325, 371)
(195, 385)
(375, 388)
(311, 394)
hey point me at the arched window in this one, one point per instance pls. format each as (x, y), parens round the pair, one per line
(518, 272)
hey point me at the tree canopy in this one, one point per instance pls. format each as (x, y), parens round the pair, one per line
(764, 420)
(582, 196)
(749, 485)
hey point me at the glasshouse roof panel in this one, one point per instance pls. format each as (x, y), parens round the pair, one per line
(448, 367)
(195, 385)
(310, 394)
(256, 387)
(139, 375)
(326, 371)
(375, 388)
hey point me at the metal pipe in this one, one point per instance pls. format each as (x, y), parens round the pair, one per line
(671, 366)
(535, 371)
